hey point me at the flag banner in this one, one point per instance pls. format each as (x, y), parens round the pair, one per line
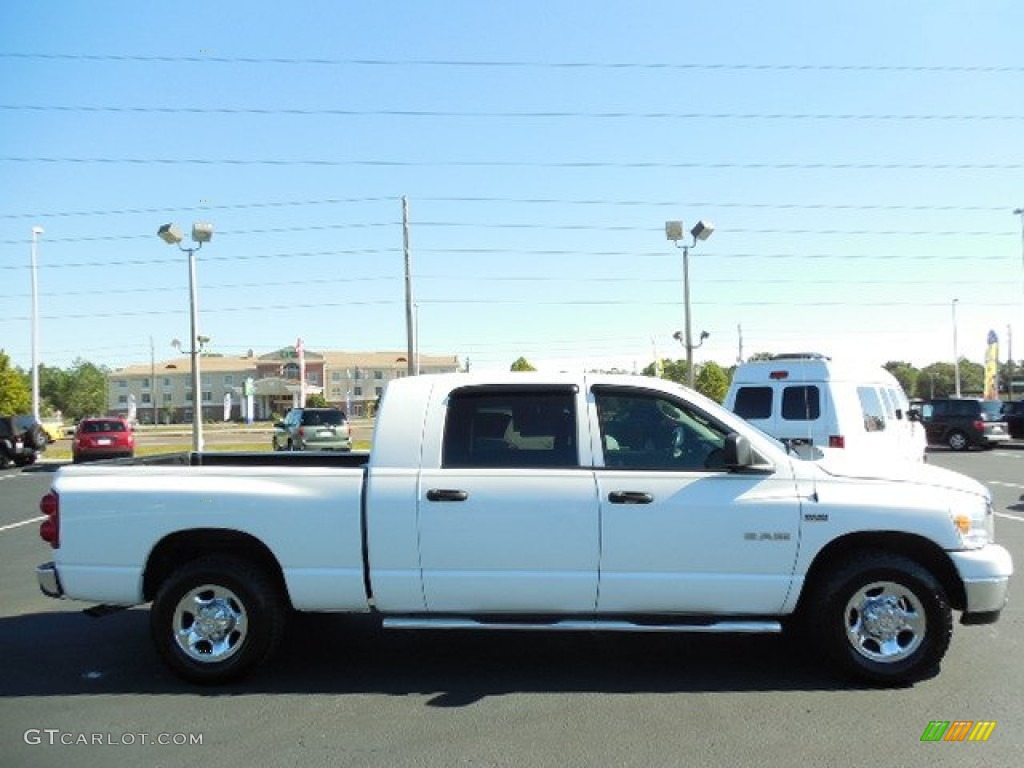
(992, 367)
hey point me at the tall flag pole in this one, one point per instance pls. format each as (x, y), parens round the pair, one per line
(302, 372)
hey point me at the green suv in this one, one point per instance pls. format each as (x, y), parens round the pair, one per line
(313, 429)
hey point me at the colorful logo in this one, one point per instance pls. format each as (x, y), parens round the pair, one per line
(958, 730)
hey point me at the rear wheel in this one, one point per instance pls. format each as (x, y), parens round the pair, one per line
(882, 617)
(958, 441)
(217, 618)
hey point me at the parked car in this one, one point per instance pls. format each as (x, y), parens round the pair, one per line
(22, 439)
(103, 438)
(820, 407)
(313, 429)
(1013, 414)
(54, 429)
(963, 422)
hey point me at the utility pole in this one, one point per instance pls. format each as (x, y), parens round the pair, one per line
(739, 331)
(1009, 361)
(410, 353)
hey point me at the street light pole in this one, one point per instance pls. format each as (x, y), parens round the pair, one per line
(956, 353)
(202, 232)
(36, 232)
(701, 231)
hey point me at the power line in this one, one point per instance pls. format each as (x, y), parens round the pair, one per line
(569, 165)
(507, 115)
(515, 64)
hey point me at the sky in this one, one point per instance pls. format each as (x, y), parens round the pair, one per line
(860, 163)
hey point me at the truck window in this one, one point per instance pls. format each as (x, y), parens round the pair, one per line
(641, 430)
(514, 428)
(801, 403)
(753, 403)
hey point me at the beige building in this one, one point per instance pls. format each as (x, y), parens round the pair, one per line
(162, 391)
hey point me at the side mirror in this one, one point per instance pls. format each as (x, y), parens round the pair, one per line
(738, 454)
(914, 415)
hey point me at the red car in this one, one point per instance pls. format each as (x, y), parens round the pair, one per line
(103, 438)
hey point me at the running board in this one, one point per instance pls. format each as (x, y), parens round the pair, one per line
(587, 625)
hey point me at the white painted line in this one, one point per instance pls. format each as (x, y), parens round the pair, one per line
(1006, 485)
(23, 522)
(1010, 517)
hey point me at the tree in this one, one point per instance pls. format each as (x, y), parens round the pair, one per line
(935, 380)
(15, 394)
(673, 370)
(905, 374)
(317, 401)
(87, 390)
(712, 381)
(522, 364)
(54, 386)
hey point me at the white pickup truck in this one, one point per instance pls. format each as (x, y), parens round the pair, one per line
(566, 502)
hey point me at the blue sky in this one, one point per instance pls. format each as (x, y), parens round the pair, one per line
(860, 164)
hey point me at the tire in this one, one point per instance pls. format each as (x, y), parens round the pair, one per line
(244, 614)
(881, 617)
(24, 461)
(958, 441)
(35, 438)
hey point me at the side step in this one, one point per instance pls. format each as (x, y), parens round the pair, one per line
(732, 626)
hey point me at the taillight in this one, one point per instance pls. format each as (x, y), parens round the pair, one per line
(49, 529)
(836, 441)
(979, 426)
(302, 431)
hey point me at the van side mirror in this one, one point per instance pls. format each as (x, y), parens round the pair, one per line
(914, 414)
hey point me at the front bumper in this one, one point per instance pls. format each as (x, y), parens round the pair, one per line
(985, 574)
(49, 580)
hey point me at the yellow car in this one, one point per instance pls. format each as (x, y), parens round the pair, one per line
(54, 429)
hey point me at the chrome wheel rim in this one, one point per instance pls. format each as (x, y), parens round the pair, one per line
(210, 624)
(885, 622)
(957, 442)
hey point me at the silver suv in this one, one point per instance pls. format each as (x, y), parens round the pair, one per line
(313, 429)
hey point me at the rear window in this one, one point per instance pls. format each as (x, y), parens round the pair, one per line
(991, 410)
(753, 403)
(323, 418)
(872, 408)
(801, 403)
(104, 426)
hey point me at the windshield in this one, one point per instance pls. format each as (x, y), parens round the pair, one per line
(991, 410)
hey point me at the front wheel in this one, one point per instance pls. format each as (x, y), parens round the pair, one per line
(216, 618)
(882, 617)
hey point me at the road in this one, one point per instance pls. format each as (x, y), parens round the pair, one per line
(342, 693)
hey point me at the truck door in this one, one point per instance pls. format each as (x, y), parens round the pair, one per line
(508, 522)
(679, 533)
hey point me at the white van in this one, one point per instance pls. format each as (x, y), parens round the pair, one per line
(819, 407)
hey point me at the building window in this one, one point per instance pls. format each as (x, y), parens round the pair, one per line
(378, 391)
(188, 395)
(313, 378)
(335, 375)
(146, 398)
(167, 398)
(378, 375)
(167, 382)
(336, 392)
(358, 392)
(229, 380)
(146, 383)
(122, 384)
(122, 400)
(207, 396)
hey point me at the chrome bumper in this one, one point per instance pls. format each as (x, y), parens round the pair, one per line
(986, 575)
(49, 580)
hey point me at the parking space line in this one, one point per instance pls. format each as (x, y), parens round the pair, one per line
(23, 522)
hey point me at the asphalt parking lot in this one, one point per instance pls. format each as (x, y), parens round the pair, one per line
(91, 692)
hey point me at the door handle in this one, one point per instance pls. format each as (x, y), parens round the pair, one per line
(444, 494)
(630, 497)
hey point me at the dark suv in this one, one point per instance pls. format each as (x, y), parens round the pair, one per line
(313, 429)
(22, 439)
(1013, 414)
(961, 423)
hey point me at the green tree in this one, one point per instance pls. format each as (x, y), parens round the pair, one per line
(905, 374)
(712, 381)
(935, 380)
(522, 364)
(15, 393)
(87, 390)
(673, 370)
(316, 401)
(54, 386)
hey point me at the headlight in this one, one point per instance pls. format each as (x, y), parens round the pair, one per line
(977, 528)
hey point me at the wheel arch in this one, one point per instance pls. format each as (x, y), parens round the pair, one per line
(923, 551)
(182, 547)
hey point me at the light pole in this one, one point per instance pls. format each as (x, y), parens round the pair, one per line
(956, 353)
(36, 232)
(202, 232)
(701, 231)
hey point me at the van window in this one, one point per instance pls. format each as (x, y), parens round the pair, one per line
(871, 406)
(753, 403)
(801, 403)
